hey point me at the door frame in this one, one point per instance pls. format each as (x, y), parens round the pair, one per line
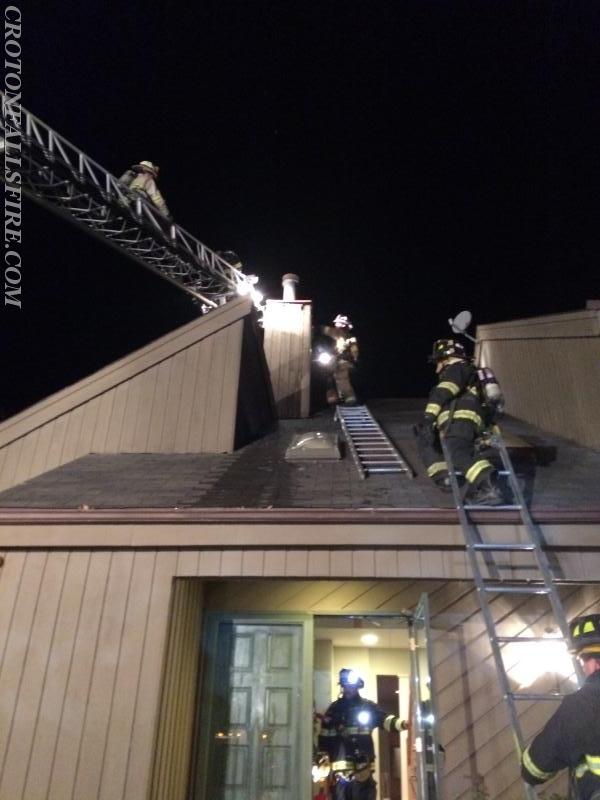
(200, 749)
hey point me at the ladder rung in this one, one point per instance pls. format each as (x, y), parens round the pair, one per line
(500, 589)
(541, 696)
(499, 546)
(527, 639)
(492, 508)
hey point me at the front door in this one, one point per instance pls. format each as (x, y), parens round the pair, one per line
(255, 712)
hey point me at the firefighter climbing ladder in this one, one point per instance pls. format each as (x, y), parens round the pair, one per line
(371, 449)
(62, 178)
(486, 568)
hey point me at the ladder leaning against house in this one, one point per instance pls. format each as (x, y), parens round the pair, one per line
(487, 571)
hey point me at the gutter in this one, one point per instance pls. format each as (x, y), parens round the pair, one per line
(278, 516)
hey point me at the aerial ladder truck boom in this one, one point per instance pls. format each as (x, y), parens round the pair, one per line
(60, 177)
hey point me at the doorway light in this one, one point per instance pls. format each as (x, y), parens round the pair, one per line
(533, 660)
(369, 639)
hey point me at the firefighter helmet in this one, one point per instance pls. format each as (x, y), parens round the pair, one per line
(342, 321)
(585, 635)
(231, 258)
(148, 166)
(349, 677)
(447, 348)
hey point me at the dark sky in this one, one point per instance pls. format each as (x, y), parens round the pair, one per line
(406, 159)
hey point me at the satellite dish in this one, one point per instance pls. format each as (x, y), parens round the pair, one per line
(461, 321)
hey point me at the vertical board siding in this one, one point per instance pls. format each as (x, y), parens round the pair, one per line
(64, 758)
(91, 751)
(177, 707)
(173, 401)
(15, 655)
(287, 350)
(33, 677)
(553, 357)
(45, 736)
(178, 394)
(82, 638)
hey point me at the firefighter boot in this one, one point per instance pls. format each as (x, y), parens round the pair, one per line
(485, 493)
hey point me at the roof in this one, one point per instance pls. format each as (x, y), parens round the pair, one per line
(556, 474)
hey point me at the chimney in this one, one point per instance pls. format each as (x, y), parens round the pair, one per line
(287, 344)
(289, 282)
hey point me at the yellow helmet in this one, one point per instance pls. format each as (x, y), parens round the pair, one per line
(585, 635)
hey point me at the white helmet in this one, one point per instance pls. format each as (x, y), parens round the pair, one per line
(148, 165)
(342, 321)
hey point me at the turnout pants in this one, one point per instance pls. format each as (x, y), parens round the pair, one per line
(353, 789)
(460, 439)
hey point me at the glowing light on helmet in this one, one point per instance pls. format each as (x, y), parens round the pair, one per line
(349, 677)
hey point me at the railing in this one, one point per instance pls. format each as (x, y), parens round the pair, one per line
(61, 177)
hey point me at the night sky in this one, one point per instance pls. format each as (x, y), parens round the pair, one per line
(406, 159)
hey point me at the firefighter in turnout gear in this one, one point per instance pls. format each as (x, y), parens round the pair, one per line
(455, 410)
(346, 739)
(141, 179)
(571, 737)
(345, 356)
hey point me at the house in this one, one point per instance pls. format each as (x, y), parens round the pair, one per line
(175, 595)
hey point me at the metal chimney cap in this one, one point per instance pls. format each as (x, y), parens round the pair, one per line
(289, 282)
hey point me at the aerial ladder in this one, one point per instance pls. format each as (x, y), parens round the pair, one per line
(59, 176)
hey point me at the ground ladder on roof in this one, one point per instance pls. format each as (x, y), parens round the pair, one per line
(60, 177)
(371, 449)
(487, 564)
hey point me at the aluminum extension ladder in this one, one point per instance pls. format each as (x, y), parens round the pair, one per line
(371, 449)
(489, 582)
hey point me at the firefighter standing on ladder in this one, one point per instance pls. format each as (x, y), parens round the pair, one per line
(346, 739)
(455, 410)
(571, 737)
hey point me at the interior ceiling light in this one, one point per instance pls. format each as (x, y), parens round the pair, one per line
(369, 639)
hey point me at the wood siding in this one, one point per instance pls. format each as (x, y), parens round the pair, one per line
(287, 349)
(177, 395)
(97, 688)
(177, 709)
(554, 357)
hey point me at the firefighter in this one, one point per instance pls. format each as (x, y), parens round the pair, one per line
(141, 179)
(455, 410)
(345, 357)
(231, 258)
(346, 738)
(571, 737)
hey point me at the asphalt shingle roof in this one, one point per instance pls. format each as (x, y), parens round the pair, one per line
(555, 474)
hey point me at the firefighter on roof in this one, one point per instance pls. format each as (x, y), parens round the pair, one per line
(141, 179)
(346, 738)
(571, 737)
(455, 410)
(344, 357)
